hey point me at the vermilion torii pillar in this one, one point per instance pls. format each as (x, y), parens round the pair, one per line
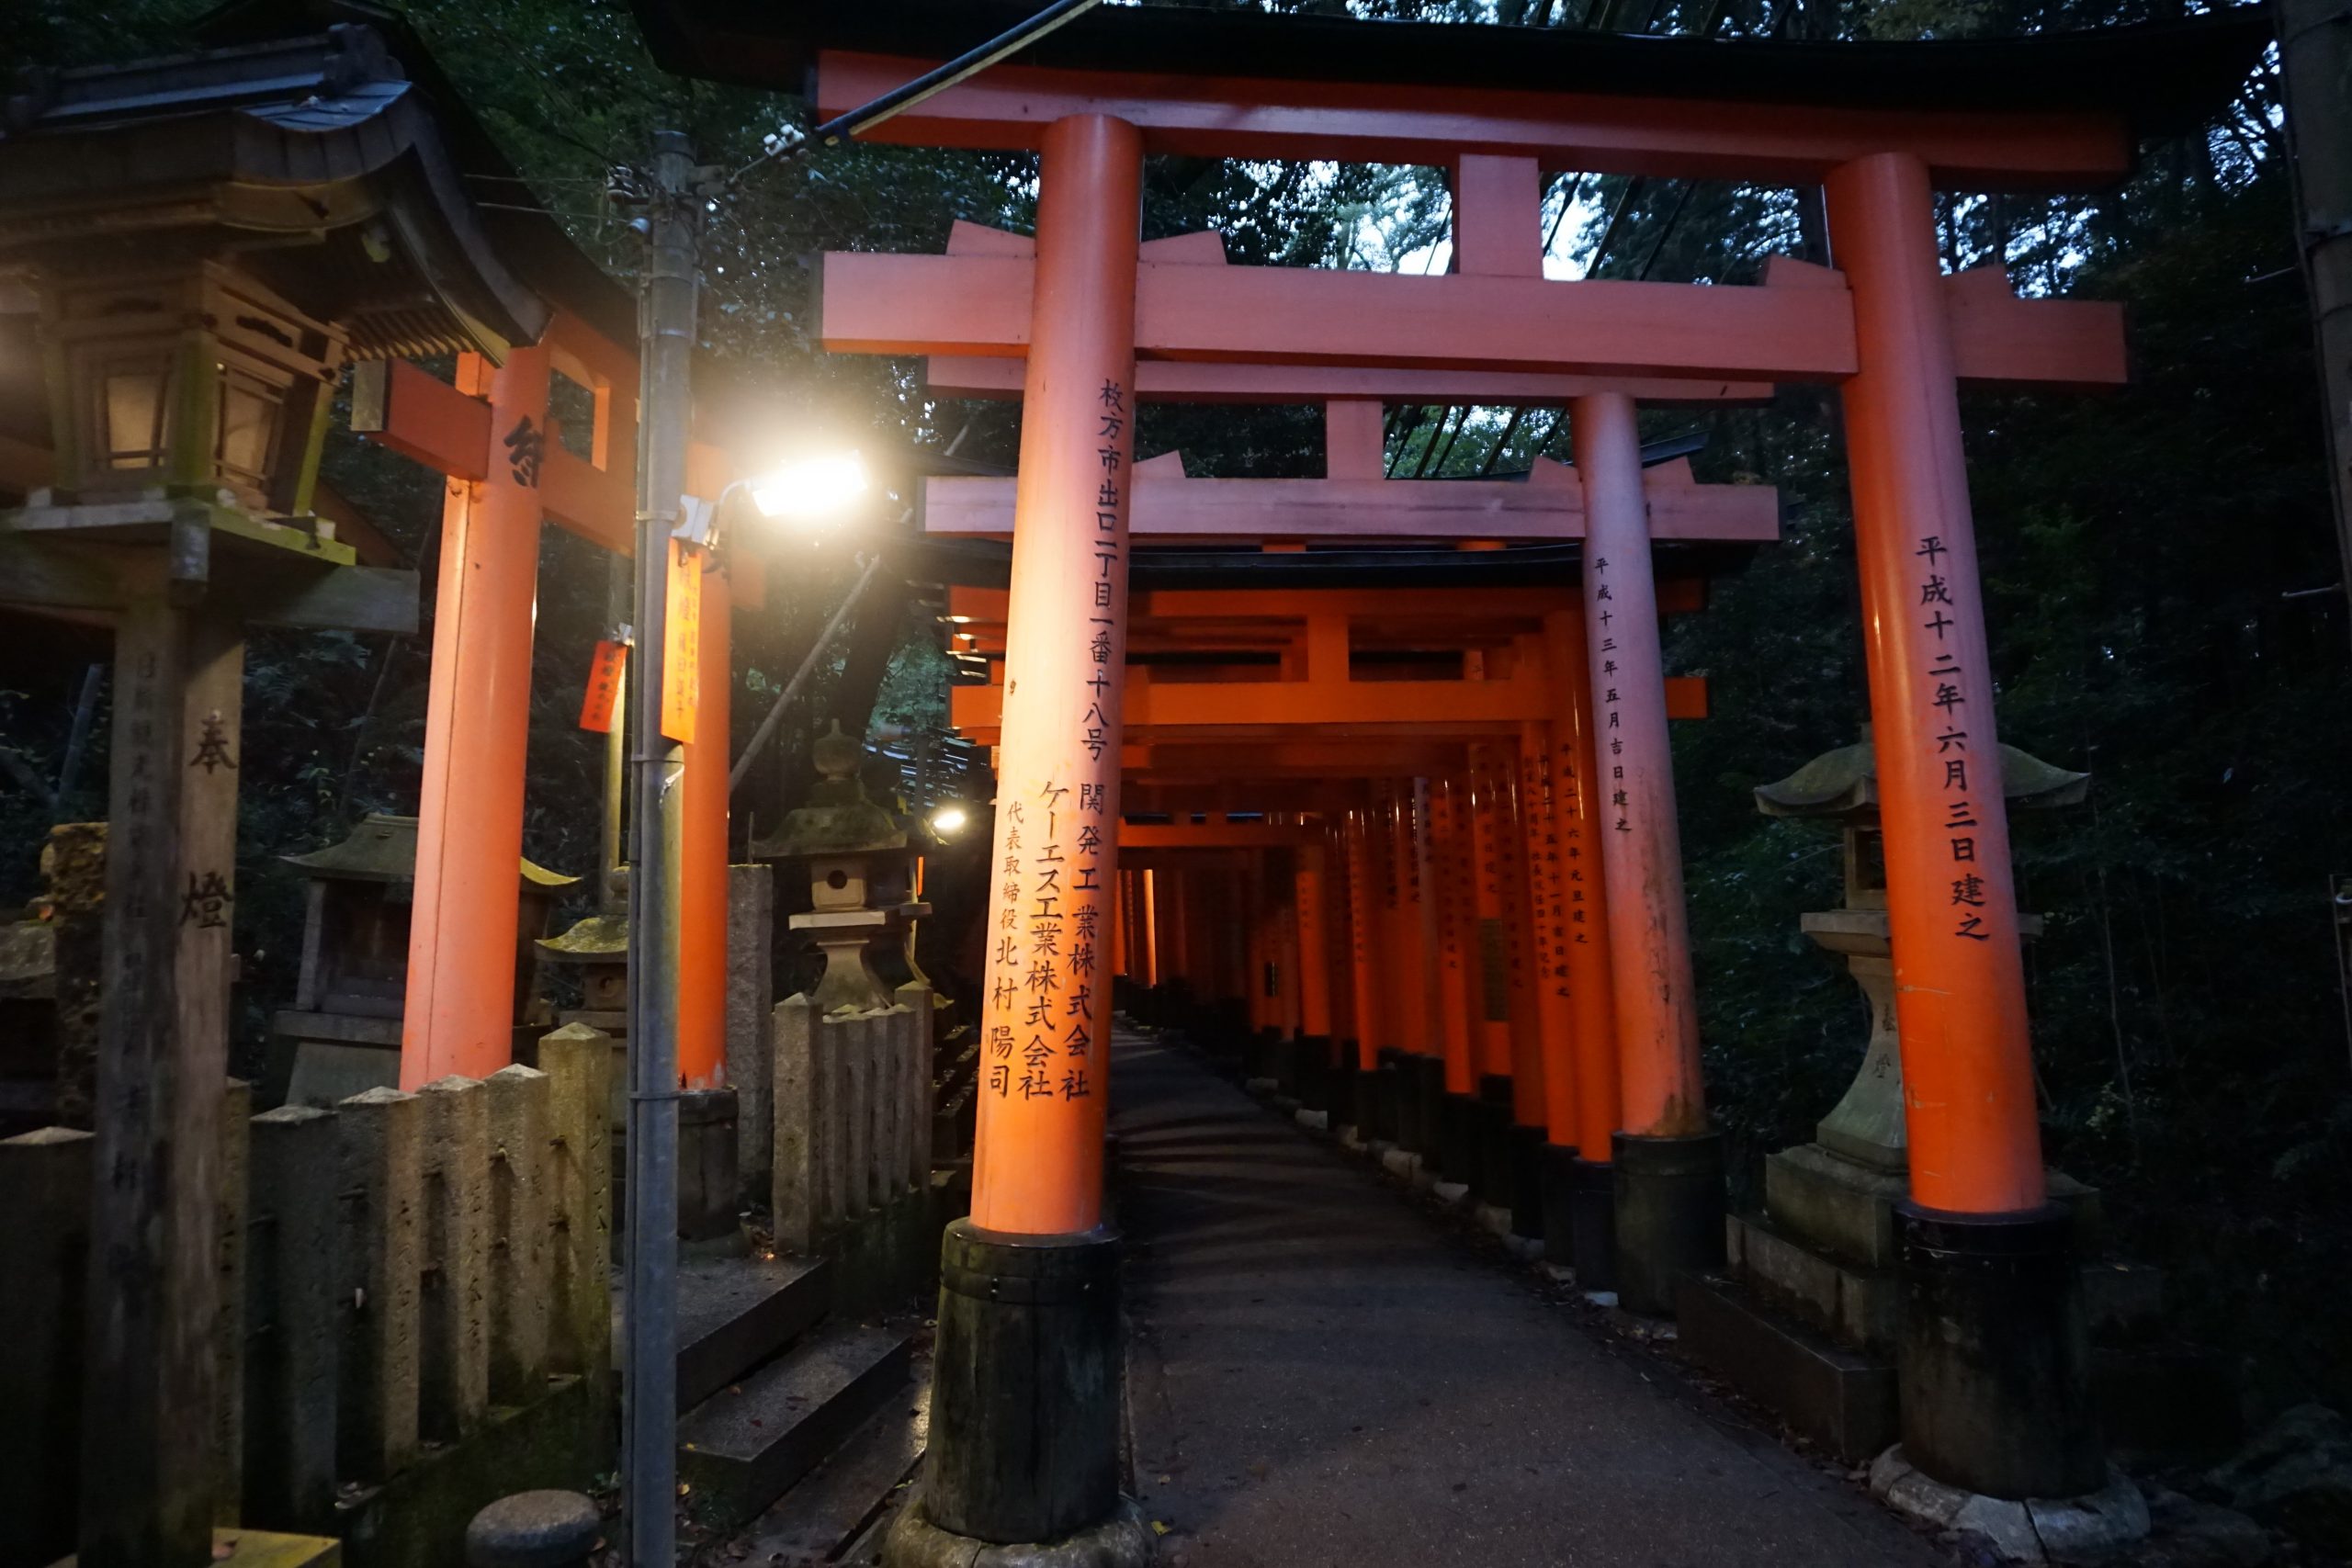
(1362, 1110)
(1461, 996)
(1983, 1253)
(1025, 1413)
(461, 1006)
(1579, 1184)
(1669, 1188)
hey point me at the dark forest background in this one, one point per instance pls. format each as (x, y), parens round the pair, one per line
(2150, 558)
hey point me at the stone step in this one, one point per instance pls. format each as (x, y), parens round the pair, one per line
(833, 1504)
(1839, 1399)
(740, 1449)
(735, 1314)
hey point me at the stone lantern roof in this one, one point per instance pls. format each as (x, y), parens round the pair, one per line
(841, 817)
(1844, 783)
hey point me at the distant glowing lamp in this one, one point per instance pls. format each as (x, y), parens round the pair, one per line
(949, 820)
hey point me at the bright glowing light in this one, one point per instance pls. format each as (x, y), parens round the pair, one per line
(949, 819)
(811, 490)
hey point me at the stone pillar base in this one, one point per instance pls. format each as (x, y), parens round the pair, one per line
(1669, 1216)
(1025, 1405)
(1123, 1540)
(1993, 1365)
(2037, 1530)
(1592, 1202)
(1527, 1144)
(708, 1192)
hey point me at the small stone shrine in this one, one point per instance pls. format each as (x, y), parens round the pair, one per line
(345, 1026)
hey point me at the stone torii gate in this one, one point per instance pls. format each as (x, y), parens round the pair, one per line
(1992, 1346)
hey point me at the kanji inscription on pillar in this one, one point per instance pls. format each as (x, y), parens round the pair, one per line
(1944, 686)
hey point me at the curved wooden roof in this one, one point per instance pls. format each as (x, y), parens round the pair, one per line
(316, 147)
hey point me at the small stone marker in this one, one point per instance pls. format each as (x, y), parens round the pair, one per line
(533, 1529)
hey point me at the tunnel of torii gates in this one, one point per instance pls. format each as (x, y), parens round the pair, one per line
(1454, 781)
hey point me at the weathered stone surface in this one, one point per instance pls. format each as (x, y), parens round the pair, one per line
(750, 991)
(578, 1061)
(44, 1249)
(2008, 1526)
(454, 1322)
(851, 1041)
(1120, 1542)
(1855, 1306)
(294, 1308)
(2036, 1530)
(381, 1252)
(74, 864)
(2186, 1533)
(533, 1529)
(1841, 1400)
(2297, 1474)
(1838, 1204)
(917, 998)
(707, 1188)
(793, 1162)
(2079, 1529)
(886, 1104)
(518, 1251)
(228, 1331)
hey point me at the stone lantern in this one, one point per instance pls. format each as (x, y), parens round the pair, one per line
(1819, 1263)
(861, 876)
(345, 1024)
(1866, 1127)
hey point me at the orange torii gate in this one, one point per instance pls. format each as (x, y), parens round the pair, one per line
(1211, 725)
(507, 471)
(1881, 127)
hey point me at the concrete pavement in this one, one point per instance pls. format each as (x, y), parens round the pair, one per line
(1321, 1375)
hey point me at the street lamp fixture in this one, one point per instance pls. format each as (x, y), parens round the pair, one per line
(811, 490)
(949, 819)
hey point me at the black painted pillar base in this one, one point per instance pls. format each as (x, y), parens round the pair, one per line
(1387, 1095)
(1493, 1183)
(1457, 1144)
(1527, 1145)
(1669, 1216)
(1592, 1219)
(1408, 1134)
(1994, 1360)
(1556, 1172)
(709, 1193)
(1429, 1106)
(1025, 1388)
(1351, 1093)
(1311, 1067)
